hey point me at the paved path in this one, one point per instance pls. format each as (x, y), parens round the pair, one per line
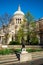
(36, 62)
(37, 55)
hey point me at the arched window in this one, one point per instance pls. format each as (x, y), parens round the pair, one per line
(20, 21)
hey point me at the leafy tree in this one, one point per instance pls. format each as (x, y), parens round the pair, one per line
(34, 39)
(20, 34)
(33, 34)
(29, 19)
(31, 29)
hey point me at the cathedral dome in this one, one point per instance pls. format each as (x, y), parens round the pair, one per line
(19, 11)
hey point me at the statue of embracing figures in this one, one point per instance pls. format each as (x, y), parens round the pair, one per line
(23, 43)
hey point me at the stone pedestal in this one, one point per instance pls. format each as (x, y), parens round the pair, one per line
(25, 56)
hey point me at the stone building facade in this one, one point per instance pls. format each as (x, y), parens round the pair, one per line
(14, 25)
(39, 27)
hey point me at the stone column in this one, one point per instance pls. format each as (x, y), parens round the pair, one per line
(0, 39)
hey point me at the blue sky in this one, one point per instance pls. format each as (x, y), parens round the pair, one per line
(34, 6)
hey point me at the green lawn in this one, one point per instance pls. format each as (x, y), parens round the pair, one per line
(12, 51)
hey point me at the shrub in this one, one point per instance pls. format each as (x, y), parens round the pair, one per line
(33, 50)
(14, 43)
(6, 51)
(34, 41)
(17, 50)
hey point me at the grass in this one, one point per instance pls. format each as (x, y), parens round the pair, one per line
(12, 51)
(28, 50)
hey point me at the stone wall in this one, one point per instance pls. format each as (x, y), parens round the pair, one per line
(19, 46)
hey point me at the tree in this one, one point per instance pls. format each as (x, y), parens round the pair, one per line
(31, 27)
(33, 38)
(4, 19)
(20, 34)
(33, 34)
(29, 19)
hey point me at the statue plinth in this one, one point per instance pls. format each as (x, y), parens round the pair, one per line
(24, 51)
(25, 56)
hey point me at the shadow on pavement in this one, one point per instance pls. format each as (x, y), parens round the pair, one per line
(35, 62)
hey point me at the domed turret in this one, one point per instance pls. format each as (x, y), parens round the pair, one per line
(19, 11)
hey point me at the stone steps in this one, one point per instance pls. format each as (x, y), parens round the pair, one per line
(9, 62)
(7, 55)
(4, 57)
(8, 59)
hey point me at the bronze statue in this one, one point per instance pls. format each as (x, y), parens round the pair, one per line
(23, 42)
